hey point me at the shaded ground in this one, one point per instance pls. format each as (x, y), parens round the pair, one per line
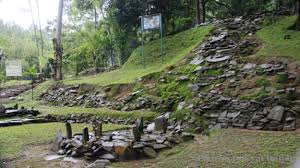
(230, 148)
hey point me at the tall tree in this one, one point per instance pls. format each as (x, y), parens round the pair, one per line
(200, 10)
(34, 27)
(57, 42)
(41, 34)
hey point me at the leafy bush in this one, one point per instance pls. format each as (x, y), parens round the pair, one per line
(180, 114)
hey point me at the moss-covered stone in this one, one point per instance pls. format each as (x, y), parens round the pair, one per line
(282, 78)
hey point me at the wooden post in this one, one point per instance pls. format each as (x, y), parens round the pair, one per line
(69, 130)
(85, 134)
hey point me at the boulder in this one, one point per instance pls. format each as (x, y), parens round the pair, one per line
(161, 123)
(159, 146)
(151, 127)
(108, 146)
(107, 156)
(2, 109)
(182, 78)
(276, 113)
(149, 152)
(215, 59)
(57, 141)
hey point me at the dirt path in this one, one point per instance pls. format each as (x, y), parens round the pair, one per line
(39, 156)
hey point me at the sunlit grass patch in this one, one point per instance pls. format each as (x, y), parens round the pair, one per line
(274, 42)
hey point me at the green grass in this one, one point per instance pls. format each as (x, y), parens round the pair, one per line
(230, 148)
(13, 140)
(258, 95)
(274, 43)
(175, 48)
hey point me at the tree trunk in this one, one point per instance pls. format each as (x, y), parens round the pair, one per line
(58, 48)
(200, 11)
(204, 11)
(297, 25)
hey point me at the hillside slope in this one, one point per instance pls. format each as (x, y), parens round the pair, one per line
(175, 48)
(279, 41)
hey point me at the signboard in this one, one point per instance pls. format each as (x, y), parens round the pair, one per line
(151, 22)
(13, 68)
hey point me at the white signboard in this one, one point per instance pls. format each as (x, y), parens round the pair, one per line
(13, 68)
(151, 22)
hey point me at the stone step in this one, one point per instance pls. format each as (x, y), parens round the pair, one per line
(296, 102)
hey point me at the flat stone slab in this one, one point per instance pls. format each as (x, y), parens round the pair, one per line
(215, 59)
(276, 113)
(53, 157)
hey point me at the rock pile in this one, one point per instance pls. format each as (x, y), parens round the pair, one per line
(14, 122)
(13, 112)
(119, 145)
(221, 54)
(13, 91)
(86, 118)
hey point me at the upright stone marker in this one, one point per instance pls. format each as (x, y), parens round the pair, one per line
(136, 134)
(97, 127)
(100, 129)
(69, 130)
(161, 124)
(85, 134)
(140, 124)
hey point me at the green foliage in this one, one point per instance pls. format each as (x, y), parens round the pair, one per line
(187, 69)
(175, 89)
(214, 72)
(263, 82)
(282, 78)
(31, 72)
(258, 95)
(18, 43)
(181, 114)
(185, 91)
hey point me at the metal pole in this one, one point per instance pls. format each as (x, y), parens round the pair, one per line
(143, 54)
(161, 39)
(1, 76)
(1, 73)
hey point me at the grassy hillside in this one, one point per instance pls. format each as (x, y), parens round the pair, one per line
(175, 48)
(274, 43)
